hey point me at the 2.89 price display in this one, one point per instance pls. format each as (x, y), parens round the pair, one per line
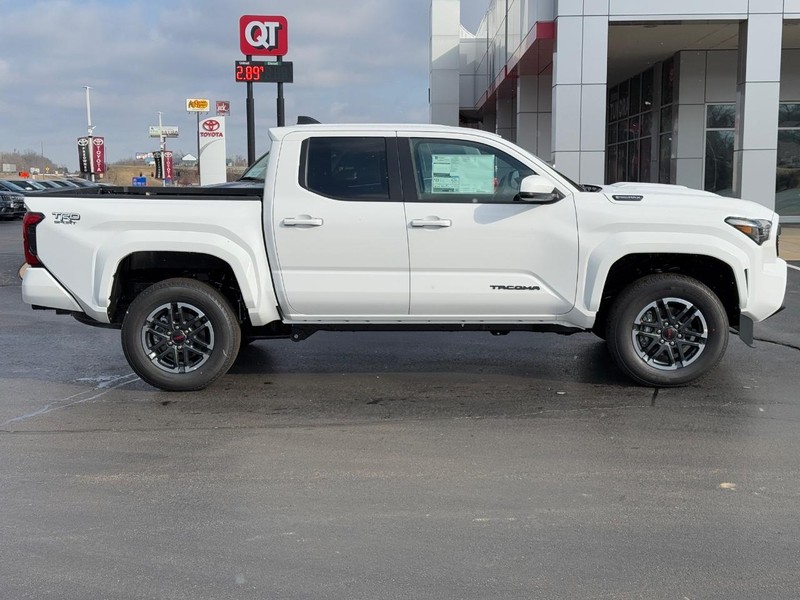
(249, 71)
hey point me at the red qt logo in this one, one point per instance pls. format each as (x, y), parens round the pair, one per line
(265, 35)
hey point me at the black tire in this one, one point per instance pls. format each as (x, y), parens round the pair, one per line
(667, 330)
(191, 355)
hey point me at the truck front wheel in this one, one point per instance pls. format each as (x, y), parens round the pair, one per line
(667, 330)
(180, 335)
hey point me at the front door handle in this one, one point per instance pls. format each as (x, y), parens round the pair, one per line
(431, 222)
(304, 220)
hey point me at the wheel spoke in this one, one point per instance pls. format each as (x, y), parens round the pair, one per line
(155, 328)
(174, 317)
(663, 310)
(192, 335)
(686, 316)
(200, 347)
(695, 334)
(681, 354)
(671, 354)
(193, 323)
(160, 352)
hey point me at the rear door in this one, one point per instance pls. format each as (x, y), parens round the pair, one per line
(339, 228)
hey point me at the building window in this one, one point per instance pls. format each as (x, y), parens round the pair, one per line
(629, 129)
(667, 121)
(787, 184)
(720, 120)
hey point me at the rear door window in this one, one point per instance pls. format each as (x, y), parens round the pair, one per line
(346, 168)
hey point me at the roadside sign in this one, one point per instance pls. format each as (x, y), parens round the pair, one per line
(138, 181)
(263, 35)
(167, 132)
(198, 104)
(223, 108)
(98, 155)
(84, 155)
(164, 164)
(250, 71)
(212, 154)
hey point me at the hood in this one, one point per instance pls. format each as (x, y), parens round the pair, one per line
(680, 197)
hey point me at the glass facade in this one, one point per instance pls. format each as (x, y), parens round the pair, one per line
(720, 121)
(666, 122)
(720, 132)
(787, 183)
(629, 130)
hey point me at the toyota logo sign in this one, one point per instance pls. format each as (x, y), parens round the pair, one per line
(212, 128)
(263, 35)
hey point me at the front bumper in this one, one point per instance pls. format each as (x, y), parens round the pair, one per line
(766, 291)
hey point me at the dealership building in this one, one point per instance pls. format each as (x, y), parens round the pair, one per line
(701, 93)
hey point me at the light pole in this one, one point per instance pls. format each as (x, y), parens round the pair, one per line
(162, 146)
(90, 129)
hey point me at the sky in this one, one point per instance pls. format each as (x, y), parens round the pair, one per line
(354, 61)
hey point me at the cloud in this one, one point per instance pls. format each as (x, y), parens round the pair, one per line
(362, 60)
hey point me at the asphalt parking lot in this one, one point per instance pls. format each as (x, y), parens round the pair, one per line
(394, 466)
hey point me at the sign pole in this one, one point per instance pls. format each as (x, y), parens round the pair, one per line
(251, 121)
(281, 107)
(162, 145)
(197, 133)
(90, 129)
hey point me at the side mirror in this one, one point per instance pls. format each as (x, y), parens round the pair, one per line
(538, 189)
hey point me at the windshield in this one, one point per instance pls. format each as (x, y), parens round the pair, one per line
(26, 185)
(257, 170)
(578, 186)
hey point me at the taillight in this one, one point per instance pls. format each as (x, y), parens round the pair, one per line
(29, 223)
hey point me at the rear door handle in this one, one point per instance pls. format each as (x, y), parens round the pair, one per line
(308, 221)
(431, 222)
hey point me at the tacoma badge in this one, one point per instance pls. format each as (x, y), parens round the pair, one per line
(530, 288)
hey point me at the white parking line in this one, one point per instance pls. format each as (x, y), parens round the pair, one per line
(107, 384)
(793, 267)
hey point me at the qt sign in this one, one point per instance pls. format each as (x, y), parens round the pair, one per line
(263, 35)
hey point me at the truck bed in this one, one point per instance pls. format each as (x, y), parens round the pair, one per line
(151, 192)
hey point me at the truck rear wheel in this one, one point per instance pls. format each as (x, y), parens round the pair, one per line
(667, 330)
(180, 335)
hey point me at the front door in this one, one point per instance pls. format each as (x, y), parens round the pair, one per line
(476, 251)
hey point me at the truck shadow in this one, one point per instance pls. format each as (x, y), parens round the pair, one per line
(543, 357)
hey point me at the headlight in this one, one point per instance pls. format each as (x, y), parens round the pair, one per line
(756, 229)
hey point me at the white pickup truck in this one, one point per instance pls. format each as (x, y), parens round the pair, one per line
(405, 227)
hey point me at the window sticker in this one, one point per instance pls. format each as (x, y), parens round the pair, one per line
(462, 174)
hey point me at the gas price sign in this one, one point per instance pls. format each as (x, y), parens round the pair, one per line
(249, 71)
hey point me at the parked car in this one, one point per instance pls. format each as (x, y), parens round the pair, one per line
(60, 183)
(12, 205)
(81, 183)
(21, 186)
(48, 184)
